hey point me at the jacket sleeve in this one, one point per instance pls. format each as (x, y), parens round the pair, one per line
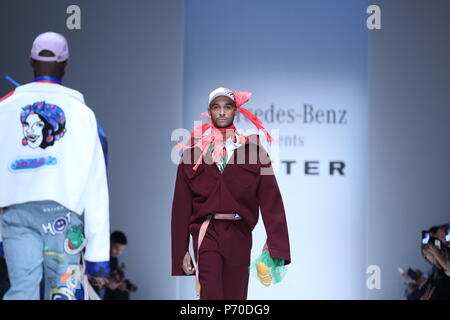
(2, 253)
(96, 213)
(104, 143)
(272, 211)
(181, 212)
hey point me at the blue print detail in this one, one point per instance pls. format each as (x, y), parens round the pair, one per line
(97, 269)
(33, 163)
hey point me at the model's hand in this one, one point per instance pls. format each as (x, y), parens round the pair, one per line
(187, 264)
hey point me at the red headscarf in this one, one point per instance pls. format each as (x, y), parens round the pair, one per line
(219, 135)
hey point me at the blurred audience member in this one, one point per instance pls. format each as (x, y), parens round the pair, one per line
(435, 249)
(4, 280)
(118, 287)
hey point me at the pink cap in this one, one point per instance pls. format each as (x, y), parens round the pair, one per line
(53, 42)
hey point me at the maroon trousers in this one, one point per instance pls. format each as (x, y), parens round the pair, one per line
(223, 259)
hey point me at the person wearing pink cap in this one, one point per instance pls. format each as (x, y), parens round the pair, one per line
(53, 186)
(223, 180)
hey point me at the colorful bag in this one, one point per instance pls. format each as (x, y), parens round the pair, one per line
(268, 270)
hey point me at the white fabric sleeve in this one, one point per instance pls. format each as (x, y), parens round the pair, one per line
(1, 214)
(96, 211)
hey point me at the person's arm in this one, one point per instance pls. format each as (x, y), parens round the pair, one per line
(96, 213)
(447, 268)
(440, 257)
(428, 293)
(181, 212)
(273, 214)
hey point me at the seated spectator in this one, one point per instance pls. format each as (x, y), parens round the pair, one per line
(118, 287)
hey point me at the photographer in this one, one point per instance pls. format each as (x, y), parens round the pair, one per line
(441, 255)
(435, 250)
(415, 279)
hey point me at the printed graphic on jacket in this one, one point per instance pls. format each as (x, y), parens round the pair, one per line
(43, 124)
(74, 242)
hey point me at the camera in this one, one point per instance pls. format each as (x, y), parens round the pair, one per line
(425, 237)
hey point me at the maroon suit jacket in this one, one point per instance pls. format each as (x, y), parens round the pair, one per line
(240, 188)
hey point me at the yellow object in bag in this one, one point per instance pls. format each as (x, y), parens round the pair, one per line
(264, 275)
(268, 270)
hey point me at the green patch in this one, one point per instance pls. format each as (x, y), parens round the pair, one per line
(57, 260)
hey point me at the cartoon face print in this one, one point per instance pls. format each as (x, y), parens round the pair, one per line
(33, 130)
(60, 225)
(43, 124)
(61, 293)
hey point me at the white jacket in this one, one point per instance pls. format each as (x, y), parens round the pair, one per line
(50, 150)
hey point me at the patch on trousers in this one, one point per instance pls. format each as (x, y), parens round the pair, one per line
(58, 226)
(52, 253)
(62, 293)
(54, 256)
(57, 260)
(75, 241)
(72, 277)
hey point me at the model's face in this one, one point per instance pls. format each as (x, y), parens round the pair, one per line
(222, 111)
(33, 130)
(116, 249)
